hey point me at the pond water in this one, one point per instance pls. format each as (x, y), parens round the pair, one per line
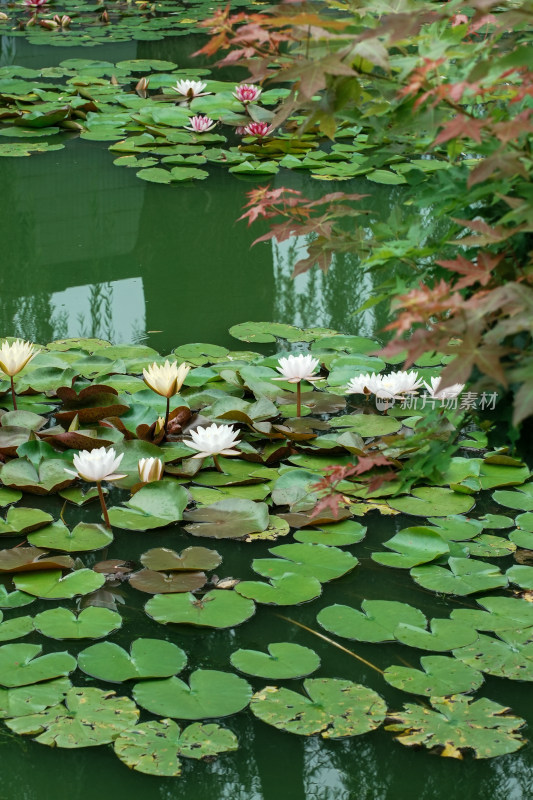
(92, 251)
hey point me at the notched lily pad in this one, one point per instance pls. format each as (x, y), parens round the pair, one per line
(191, 559)
(458, 725)
(154, 748)
(90, 623)
(283, 661)
(23, 664)
(218, 608)
(440, 676)
(148, 658)
(334, 708)
(376, 622)
(52, 584)
(148, 580)
(230, 518)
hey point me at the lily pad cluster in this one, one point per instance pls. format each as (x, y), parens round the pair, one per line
(81, 23)
(74, 674)
(135, 106)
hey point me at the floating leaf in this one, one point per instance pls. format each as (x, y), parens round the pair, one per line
(444, 634)
(459, 724)
(22, 664)
(286, 590)
(464, 576)
(231, 518)
(432, 501)
(192, 558)
(345, 533)
(413, 546)
(52, 584)
(156, 505)
(90, 623)
(440, 676)
(24, 520)
(216, 609)
(210, 694)
(23, 700)
(457, 528)
(84, 536)
(489, 546)
(148, 658)
(22, 559)
(521, 498)
(283, 661)
(15, 628)
(506, 657)
(334, 708)
(87, 718)
(14, 599)
(154, 747)
(148, 580)
(317, 560)
(376, 622)
(502, 613)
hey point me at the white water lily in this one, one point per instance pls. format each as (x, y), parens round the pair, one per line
(166, 379)
(190, 89)
(15, 356)
(298, 368)
(449, 393)
(214, 440)
(385, 386)
(150, 469)
(97, 465)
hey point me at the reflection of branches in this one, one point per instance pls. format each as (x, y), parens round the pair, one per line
(100, 313)
(7, 50)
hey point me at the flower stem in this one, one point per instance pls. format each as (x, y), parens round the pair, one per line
(13, 395)
(299, 399)
(102, 503)
(167, 414)
(217, 465)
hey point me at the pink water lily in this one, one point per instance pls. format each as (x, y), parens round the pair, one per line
(247, 92)
(259, 129)
(200, 124)
(34, 4)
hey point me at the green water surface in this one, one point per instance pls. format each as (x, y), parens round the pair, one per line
(90, 250)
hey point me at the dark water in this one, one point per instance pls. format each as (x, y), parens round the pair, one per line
(88, 249)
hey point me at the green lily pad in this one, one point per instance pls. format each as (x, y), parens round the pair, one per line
(288, 589)
(88, 717)
(500, 614)
(52, 584)
(156, 505)
(154, 747)
(506, 657)
(77, 496)
(459, 724)
(84, 536)
(15, 628)
(14, 599)
(28, 559)
(522, 539)
(210, 694)
(464, 576)
(376, 622)
(520, 575)
(334, 708)
(413, 546)
(192, 558)
(218, 608)
(24, 520)
(8, 496)
(230, 518)
(444, 635)
(49, 477)
(91, 623)
(342, 534)
(457, 528)
(283, 661)
(148, 658)
(432, 501)
(23, 700)
(488, 546)
(22, 664)
(521, 498)
(525, 522)
(317, 560)
(440, 676)
(496, 521)
(370, 425)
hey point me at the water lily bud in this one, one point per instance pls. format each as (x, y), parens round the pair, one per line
(97, 465)
(104, 17)
(150, 469)
(166, 379)
(49, 24)
(159, 425)
(15, 356)
(142, 86)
